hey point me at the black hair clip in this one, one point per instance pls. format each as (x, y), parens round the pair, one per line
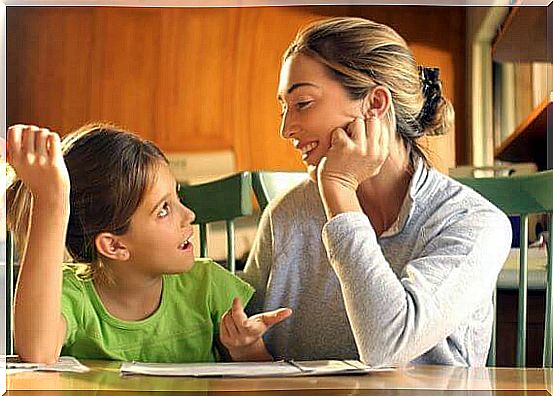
(430, 78)
(432, 91)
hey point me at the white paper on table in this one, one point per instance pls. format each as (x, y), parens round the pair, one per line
(64, 364)
(249, 369)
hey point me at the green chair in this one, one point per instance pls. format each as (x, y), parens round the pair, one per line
(225, 199)
(267, 185)
(524, 195)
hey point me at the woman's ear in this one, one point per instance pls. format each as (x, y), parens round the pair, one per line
(111, 247)
(377, 102)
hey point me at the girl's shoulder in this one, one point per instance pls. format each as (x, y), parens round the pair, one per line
(76, 274)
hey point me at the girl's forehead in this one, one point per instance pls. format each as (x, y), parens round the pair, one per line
(160, 175)
(160, 182)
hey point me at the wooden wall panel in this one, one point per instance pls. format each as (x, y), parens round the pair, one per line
(194, 79)
(48, 66)
(125, 67)
(197, 78)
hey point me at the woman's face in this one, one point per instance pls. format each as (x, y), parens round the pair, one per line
(313, 104)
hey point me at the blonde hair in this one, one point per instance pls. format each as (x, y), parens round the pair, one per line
(360, 54)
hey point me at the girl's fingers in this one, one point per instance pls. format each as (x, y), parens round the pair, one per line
(41, 142)
(278, 315)
(231, 326)
(14, 142)
(54, 147)
(28, 139)
(225, 325)
(237, 312)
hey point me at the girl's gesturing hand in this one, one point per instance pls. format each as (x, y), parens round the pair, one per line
(355, 155)
(238, 332)
(35, 154)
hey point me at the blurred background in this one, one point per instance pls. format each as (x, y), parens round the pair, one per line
(197, 80)
(201, 83)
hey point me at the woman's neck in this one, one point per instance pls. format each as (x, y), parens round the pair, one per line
(128, 296)
(382, 196)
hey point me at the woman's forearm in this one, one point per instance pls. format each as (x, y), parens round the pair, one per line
(338, 198)
(38, 321)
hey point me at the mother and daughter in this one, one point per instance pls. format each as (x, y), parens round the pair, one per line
(380, 257)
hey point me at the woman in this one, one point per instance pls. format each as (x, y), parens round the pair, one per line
(380, 256)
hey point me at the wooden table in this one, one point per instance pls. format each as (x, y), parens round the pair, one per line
(104, 379)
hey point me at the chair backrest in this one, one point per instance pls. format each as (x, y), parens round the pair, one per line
(220, 200)
(267, 185)
(524, 195)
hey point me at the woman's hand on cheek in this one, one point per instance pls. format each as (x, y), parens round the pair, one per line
(355, 155)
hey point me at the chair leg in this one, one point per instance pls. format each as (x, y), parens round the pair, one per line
(231, 256)
(548, 331)
(522, 293)
(203, 240)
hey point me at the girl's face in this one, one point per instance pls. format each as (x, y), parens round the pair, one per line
(160, 233)
(313, 104)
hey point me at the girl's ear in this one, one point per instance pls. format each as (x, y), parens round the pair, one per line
(111, 247)
(377, 102)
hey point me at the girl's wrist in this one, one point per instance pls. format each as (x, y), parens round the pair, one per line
(53, 203)
(252, 352)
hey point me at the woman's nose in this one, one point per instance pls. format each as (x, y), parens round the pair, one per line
(287, 130)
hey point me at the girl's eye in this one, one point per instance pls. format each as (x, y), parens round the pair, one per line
(303, 105)
(164, 212)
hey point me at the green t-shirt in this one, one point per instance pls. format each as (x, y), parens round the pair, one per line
(182, 329)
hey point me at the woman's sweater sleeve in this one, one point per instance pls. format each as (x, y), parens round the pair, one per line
(396, 319)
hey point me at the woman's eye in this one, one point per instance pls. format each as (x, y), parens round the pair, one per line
(164, 211)
(303, 105)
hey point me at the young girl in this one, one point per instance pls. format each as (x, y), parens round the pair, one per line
(112, 200)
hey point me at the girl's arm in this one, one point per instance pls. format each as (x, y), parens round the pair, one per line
(39, 326)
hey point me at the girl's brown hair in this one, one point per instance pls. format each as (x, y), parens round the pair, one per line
(109, 171)
(361, 54)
